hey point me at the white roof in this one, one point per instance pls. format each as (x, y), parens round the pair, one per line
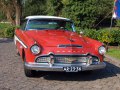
(49, 17)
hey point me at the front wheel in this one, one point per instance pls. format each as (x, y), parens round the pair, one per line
(17, 52)
(29, 73)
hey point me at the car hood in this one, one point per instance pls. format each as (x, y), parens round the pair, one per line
(53, 38)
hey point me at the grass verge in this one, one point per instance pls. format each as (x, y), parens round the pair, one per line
(114, 52)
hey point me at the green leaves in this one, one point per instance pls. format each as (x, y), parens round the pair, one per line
(9, 32)
(85, 13)
(34, 7)
(104, 35)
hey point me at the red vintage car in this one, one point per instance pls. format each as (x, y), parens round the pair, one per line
(49, 43)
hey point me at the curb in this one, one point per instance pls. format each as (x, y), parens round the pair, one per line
(6, 39)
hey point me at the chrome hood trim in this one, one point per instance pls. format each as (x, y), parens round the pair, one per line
(69, 45)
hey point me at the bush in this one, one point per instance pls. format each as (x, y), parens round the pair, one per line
(2, 34)
(92, 33)
(9, 32)
(4, 25)
(88, 32)
(116, 36)
(2, 28)
(6, 30)
(104, 35)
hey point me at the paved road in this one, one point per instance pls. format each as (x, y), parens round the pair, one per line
(12, 76)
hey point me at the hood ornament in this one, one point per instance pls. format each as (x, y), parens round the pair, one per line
(71, 40)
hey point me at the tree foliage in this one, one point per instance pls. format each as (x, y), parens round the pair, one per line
(34, 7)
(54, 7)
(85, 13)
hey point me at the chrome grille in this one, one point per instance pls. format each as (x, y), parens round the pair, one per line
(69, 59)
(66, 59)
(43, 59)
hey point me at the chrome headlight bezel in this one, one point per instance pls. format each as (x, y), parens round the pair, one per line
(35, 49)
(102, 50)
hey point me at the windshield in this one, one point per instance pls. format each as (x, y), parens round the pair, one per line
(45, 24)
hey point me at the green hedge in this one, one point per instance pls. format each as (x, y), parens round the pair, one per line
(104, 35)
(6, 30)
(9, 32)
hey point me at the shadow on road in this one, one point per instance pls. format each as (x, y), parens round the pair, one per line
(6, 40)
(110, 71)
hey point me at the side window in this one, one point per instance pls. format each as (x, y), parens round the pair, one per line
(23, 24)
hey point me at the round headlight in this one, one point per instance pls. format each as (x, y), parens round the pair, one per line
(35, 49)
(102, 50)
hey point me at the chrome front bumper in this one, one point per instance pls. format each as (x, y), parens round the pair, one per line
(59, 67)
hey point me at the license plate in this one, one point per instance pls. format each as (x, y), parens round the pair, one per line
(72, 69)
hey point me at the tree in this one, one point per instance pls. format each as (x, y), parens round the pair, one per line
(12, 9)
(2, 16)
(18, 10)
(86, 13)
(34, 7)
(54, 7)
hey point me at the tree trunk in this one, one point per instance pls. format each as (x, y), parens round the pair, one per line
(18, 10)
(9, 17)
(18, 15)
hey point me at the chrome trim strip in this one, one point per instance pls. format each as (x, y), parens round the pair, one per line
(48, 67)
(17, 39)
(65, 54)
(69, 46)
